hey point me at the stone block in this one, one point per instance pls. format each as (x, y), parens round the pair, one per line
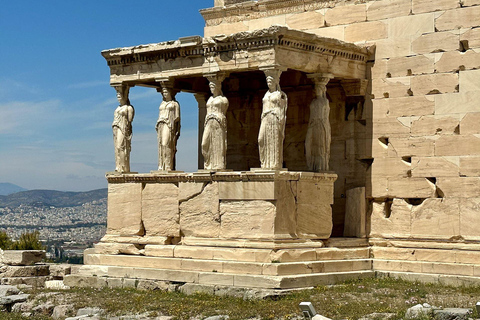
(407, 147)
(406, 66)
(391, 127)
(436, 218)
(191, 252)
(159, 250)
(252, 281)
(293, 255)
(314, 221)
(248, 220)
(280, 269)
(421, 6)
(225, 28)
(314, 192)
(336, 32)
(266, 22)
(58, 271)
(379, 10)
(201, 265)
(469, 124)
(160, 214)
(21, 257)
(117, 248)
(247, 190)
(242, 268)
(286, 195)
(470, 166)
(433, 167)
(355, 213)
(455, 103)
(200, 216)
(458, 18)
(305, 20)
(389, 167)
(457, 145)
(455, 60)
(391, 87)
(125, 209)
(460, 187)
(408, 106)
(430, 125)
(434, 83)
(411, 26)
(435, 255)
(215, 279)
(378, 69)
(410, 188)
(366, 31)
(390, 253)
(436, 42)
(392, 48)
(468, 3)
(346, 14)
(466, 256)
(472, 36)
(25, 271)
(470, 218)
(469, 80)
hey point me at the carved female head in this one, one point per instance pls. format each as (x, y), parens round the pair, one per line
(273, 83)
(216, 88)
(167, 94)
(122, 94)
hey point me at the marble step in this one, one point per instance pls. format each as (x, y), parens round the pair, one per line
(236, 254)
(447, 255)
(227, 266)
(427, 267)
(98, 276)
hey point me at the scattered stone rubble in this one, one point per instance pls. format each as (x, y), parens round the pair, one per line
(24, 267)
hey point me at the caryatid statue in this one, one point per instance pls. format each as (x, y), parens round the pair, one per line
(214, 139)
(319, 134)
(168, 129)
(272, 127)
(122, 130)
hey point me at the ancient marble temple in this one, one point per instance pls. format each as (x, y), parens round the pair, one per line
(337, 139)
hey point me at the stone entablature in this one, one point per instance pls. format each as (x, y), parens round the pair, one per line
(196, 56)
(236, 11)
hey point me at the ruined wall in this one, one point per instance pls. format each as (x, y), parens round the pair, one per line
(421, 137)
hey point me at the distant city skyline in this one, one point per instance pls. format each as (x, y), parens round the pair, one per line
(56, 103)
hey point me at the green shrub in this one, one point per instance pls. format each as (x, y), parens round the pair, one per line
(5, 241)
(28, 241)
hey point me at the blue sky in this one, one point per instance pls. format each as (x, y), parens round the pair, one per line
(56, 104)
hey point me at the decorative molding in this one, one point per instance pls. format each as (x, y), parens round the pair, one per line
(220, 177)
(249, 10)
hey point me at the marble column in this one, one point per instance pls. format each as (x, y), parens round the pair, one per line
(214, 138)
(122, 129)
(319, 133)
(272, 126)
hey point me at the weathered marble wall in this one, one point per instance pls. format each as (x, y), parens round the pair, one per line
(418, 134)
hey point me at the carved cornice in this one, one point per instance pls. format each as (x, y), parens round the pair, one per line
(250, 10)
(273, 37)
(220, 177)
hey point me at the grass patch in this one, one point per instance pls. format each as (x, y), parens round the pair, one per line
(349, 300)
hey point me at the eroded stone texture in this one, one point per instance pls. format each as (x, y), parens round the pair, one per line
(160, 213)
(125, 209)
(247, 219)
(200, 215)
(355, 213)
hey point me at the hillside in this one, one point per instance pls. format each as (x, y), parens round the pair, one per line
(9, 188)
(48, 198)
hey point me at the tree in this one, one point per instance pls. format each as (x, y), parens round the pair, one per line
(5, 241)
(28, 241)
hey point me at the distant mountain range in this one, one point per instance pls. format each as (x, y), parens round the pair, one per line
(9, 188)
(39, 198)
